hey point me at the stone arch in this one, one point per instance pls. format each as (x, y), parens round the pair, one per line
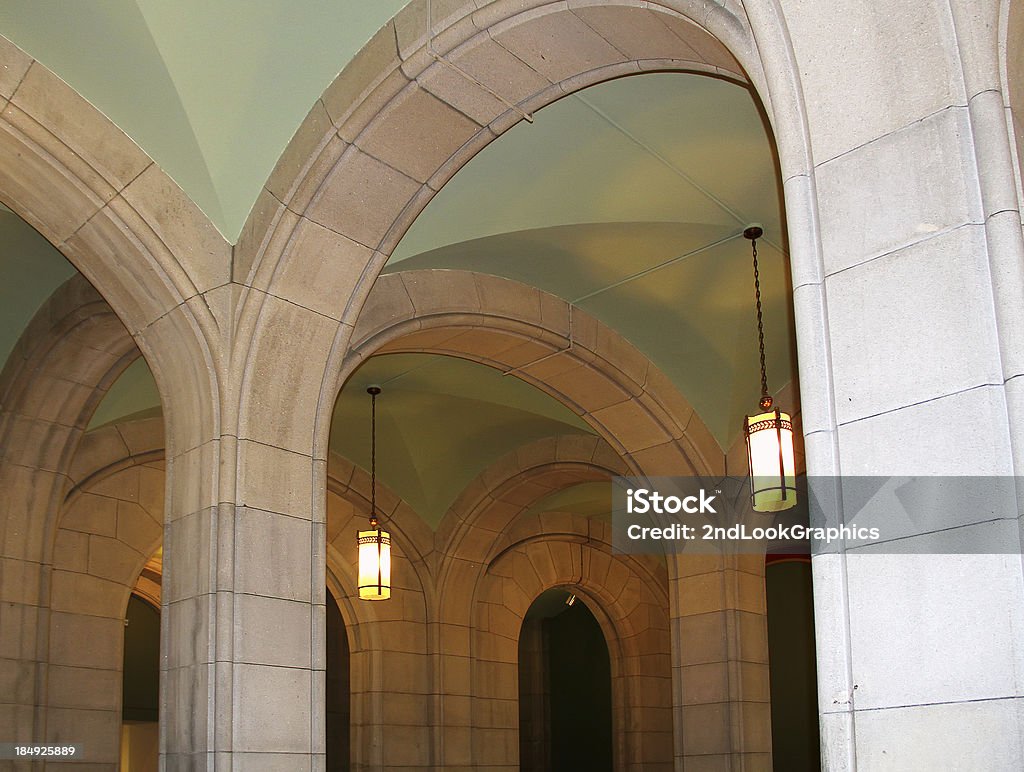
(634, 616)
(384, 137)
(74, 348)
(62, 365)
(516, 328)
(356, 173)
(148, 251)
(474, 530)
(479, 539)
(124, 224)
(105, 486)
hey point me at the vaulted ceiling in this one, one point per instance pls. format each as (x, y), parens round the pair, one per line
(626, 199)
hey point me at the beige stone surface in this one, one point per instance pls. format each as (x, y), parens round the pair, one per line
(319, 269)
(416, 132)
(377, 59)
(188, 236)
(361, 197)
(80, 126)
(879, 88)
(14, 63)
(276, 551)
(557, 44)
(280, 397)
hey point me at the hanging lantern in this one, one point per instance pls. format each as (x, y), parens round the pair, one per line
(769, 434)
(374, 564)
(374, 544)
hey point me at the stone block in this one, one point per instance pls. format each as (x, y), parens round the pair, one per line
(79, 125)
(376, 61)
(105, 636)
(81, 687)
(87, 594)
(898, 67)
(866, 210)
(320, 269)
(182, 228)
(31, 180)
(98, 732)
(937, 294)
(271, 711)
(972, 735)
(361, 198)
(416, 133)
(269, 631)
(273, 554)
(137, 529)
(557, 45)
(284, 385)
(707, 729)
(962, 434)
(956, 639)
(14, 63)
(274, 480)
(114, 560)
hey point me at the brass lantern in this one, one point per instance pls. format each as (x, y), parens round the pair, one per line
(769, 433)
(374, 544)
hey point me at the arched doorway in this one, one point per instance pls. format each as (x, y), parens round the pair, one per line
(565, 687)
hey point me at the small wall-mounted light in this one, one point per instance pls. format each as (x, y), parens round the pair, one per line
(769, 433)
(374, 544)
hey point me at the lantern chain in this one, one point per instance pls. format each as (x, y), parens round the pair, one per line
(373, 392)
(753, 233)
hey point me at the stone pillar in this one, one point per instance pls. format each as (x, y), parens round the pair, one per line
(910, 346)
(720, 662)
(244, 560)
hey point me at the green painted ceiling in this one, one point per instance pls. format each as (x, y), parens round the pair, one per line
(132, 395)
(440, 422)
(211, 90)
(616, 181)
(32, 270)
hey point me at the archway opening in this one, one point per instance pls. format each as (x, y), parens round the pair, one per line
(140, 692)
(338, 711)
(565, 687)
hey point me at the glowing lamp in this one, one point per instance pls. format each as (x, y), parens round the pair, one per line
(374, 564)
(770, 456)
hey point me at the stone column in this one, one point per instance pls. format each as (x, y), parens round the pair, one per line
(244, 560)
(720, 662)
(903, 336)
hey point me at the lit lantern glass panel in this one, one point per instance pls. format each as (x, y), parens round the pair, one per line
(374, 565)
(772, 466)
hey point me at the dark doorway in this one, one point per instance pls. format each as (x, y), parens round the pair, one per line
(794, 685)
(140, 687)
(338, 702)
(565, 688)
